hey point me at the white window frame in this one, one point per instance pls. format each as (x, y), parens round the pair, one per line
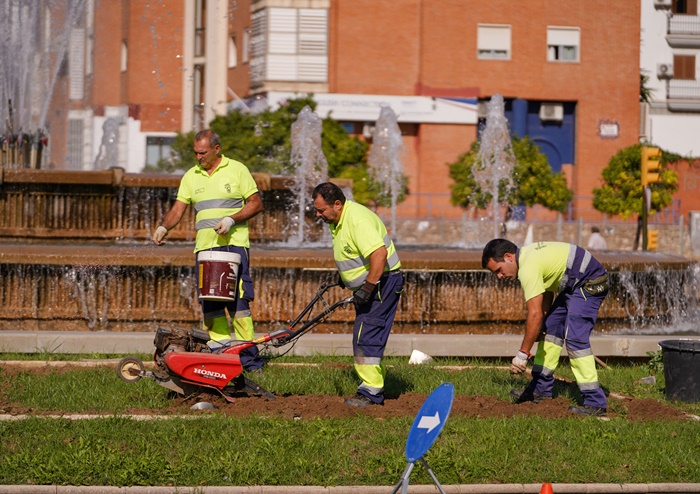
(165, 149)
(124, 56)
(245, 54)
(562, 42)
(493, 41)
(232, 53)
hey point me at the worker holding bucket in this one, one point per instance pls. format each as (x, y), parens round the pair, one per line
(224, 196)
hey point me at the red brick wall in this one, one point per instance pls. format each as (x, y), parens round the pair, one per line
(106, 80)
(153, 33)
(376, 46)
(688, 186)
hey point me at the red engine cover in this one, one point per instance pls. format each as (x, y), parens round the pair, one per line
(215, 370)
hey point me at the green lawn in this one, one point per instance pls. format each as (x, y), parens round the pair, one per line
(216, 450)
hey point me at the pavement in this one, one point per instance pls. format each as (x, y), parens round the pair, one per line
(435, 345)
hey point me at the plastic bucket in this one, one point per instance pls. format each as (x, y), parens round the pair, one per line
(681, 369)
(218, 272)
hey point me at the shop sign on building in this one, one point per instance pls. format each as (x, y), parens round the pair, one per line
(409, 109)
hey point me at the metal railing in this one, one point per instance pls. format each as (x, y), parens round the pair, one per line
(682, 89)
(426, 206)
(683, 24)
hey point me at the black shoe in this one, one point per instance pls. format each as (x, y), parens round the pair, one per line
(523, 395)
(360, 401)
(589, 411)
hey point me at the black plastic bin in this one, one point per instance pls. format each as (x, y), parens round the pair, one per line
(681, 369)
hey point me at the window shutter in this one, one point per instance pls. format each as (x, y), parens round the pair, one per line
(313, 45)
(76, 64)
(684, 67)
(493, 38)
(75, 144)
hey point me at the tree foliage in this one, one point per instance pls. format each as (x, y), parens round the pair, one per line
(262, 141)
(621, 192)
(533, 179)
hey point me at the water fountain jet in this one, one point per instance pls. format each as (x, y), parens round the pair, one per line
(385, 163)
(493, 168)
(310, 168)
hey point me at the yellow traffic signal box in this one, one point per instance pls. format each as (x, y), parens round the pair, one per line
(651, 165)
(652, 239)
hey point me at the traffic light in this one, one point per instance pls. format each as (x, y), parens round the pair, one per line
(651, 165)
(652, 239)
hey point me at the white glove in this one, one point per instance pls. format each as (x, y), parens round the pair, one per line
(519, 363)
(159, 235)
(223, 226)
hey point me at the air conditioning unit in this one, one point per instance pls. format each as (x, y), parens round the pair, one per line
(368, 131)
(482, 109)
(662, 4)
(664, 70)
(551, 112)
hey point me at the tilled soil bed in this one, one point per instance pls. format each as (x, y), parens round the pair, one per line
(314, 406)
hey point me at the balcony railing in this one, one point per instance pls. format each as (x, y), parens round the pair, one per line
(682, 89)
(683, 24)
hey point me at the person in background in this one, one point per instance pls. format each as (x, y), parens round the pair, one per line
(596, 241)
(224, 196)
(369, 266)
(580, 283)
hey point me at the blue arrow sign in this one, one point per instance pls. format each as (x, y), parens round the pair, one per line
(429, 422)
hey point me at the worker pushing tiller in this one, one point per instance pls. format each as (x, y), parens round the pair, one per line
(187, 364)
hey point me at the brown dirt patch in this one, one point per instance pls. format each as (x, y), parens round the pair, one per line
(306, 407)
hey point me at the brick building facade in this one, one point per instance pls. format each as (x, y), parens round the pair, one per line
(568, 70)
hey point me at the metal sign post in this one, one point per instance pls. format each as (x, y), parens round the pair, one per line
(426, 428)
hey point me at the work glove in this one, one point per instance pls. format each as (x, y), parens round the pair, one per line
(519, 363)
(340, 283)
(364, 293)
(223, 226)
(159, 235)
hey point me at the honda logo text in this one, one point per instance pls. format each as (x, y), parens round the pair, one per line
(210, 374)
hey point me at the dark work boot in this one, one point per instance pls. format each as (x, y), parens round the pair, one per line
(589, 411)
(523, 395)
(360, 401)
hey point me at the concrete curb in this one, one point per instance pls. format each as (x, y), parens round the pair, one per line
(436, 345)
(412, 489)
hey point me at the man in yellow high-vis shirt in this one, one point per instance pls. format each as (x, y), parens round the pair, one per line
(224, 196)
(564, 287)
(369, 265)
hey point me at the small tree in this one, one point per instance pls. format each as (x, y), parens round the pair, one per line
(533, 179)
(621, 193)
(262, 142)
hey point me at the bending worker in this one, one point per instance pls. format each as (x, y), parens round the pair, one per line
(369, 265)
(545, 269)
(224, 196)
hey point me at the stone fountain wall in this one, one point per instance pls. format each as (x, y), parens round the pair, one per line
(76, 255)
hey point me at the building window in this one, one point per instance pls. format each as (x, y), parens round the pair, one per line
(200, 28)
(493, 42)
(232, 53)
(563, 44)
(158, 148)
(349, 127)
(124, 56)
(687, 7)
(245, 55)
(289, 45)
(76, 62)
(684, 67)
(75, 144)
